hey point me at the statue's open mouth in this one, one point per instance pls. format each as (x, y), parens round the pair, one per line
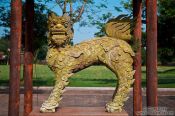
(58, 33)
(58, 36)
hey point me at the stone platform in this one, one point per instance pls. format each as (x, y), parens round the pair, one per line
(85, 97)
(78, 111)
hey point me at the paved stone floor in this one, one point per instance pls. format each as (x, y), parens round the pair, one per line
(88, 98)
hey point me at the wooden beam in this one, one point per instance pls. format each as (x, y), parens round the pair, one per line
(137, 90)
(151, 53)
(15, 48)
(28, 57)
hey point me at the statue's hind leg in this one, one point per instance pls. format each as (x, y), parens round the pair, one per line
(55, 97)
(125, 74)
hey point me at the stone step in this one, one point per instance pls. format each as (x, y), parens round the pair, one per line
(78, 111)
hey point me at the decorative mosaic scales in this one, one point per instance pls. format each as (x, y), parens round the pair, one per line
(112, 50)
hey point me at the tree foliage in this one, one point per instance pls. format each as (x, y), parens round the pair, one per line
(69, 7)
(4, 45)
(40, 24)
(166, 30)
(166, 24)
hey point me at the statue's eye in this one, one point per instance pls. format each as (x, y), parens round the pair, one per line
(65, 24)
(52, 24)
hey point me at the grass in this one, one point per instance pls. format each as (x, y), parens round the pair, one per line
(94, 76)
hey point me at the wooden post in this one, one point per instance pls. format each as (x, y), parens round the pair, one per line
(15, 48)
(151, 53)
(137, 90)
(28, 57)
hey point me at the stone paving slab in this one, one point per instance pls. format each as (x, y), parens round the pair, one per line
(88, 98)
(78, 111)
(41, 90)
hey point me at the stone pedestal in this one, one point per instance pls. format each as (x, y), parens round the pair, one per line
(78, 111)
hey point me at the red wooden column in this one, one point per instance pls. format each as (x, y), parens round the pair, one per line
(151, 53)
(137, 90)
(28, 57)
(15, 47)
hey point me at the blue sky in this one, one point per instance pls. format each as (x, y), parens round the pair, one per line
(87, 32)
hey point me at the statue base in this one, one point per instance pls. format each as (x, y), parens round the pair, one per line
(78, 111)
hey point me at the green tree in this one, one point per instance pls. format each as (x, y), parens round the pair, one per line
(166, 30)
(40, 24)
(40, 20)
(4, 45)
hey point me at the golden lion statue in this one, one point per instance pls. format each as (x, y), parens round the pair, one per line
(112, 51)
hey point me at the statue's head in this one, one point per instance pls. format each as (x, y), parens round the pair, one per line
(60, 30)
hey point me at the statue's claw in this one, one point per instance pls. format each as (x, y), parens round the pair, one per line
(48, 108)
(112, 107)
(43, 110)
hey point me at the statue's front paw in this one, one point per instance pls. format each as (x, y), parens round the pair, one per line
(47, 107)
(113, 107)
(44, 110)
